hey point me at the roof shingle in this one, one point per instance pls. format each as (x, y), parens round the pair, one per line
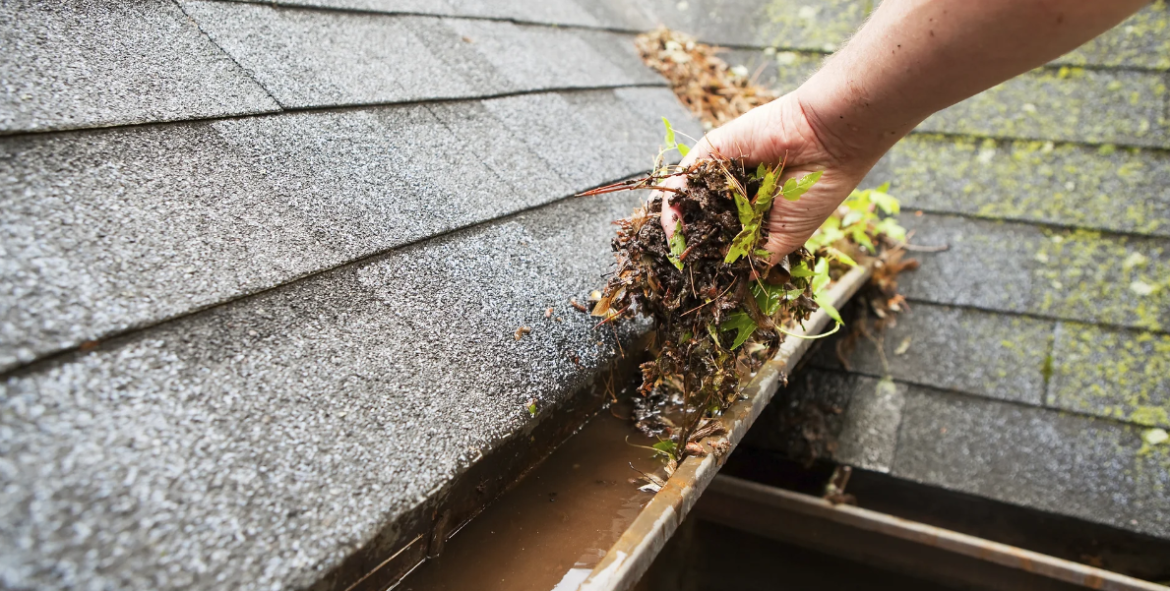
(71, 65)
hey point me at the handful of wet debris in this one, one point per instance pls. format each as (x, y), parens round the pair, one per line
(718, 308)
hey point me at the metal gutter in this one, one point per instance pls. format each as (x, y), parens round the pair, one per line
(913, 547)
(631, 556)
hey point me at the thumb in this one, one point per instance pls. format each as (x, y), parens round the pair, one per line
(671, 215)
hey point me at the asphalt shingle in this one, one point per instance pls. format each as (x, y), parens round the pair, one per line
(587, 13)
(70, 65)
(1106, 188)
(1069, 274)
(1072, 465)
(255, 445)
(986, 354)
(1067, 104)
(846, 418)
(788, 24)
(132, 226)
(1120, 374)
(312, 58)
(1140, 42)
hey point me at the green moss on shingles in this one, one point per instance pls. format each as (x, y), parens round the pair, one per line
(1141, 41)
(1088, 273)
(1065, 104)
(1115, 189)
(1113, 373)
(823, 25)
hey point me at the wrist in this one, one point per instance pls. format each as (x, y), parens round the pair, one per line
(843, 127)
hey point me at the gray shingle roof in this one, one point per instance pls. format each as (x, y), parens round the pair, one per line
(1037, 344)
(310, 58)
(162, 221)
(305, 310)
(174, 457)
(1140, 42)
(71, 65)
(308, 239)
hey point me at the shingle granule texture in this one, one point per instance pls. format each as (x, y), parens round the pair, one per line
(1058, 462)
(312, 58)
(255, 445)
(129, 227)
(79, 64)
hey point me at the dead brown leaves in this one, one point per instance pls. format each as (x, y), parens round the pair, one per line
(702, 81)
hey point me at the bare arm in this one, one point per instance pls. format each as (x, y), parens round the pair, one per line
(912, 58)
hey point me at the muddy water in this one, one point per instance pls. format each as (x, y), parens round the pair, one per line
(549, 531)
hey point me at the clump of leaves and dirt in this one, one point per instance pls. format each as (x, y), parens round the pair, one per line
(715, 92)
(719, 308)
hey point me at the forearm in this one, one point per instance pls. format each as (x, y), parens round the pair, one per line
(915, 57)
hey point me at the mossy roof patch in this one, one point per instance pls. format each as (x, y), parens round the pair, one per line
(982, 353)
(1140, 42)
(819, 26)
(1094, 187)
(1069, 274)
(1120, 374)
(1066, 104)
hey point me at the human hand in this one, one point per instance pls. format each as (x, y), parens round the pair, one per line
(781, 130)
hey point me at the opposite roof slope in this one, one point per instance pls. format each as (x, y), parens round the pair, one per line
(1036, 349)
(260, 287)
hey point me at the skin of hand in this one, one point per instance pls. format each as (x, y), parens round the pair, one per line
(911, 59)
(780, 131)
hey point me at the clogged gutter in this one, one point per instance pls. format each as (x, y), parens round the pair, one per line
(719, 310)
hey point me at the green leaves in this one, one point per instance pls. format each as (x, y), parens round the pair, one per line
(743, 243)
(678, 245)
(766, 194)
(860, 223)
(820, 290)
(742, 324)
(823, 302)
(666, 447)
(801, 270)
(671, 142)
(839, 256)
(752, 213)
(747, 213)
(769, 297)
(793, 188)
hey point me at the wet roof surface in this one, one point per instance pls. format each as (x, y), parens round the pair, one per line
(293, 243)
(1034, 354)
(261, 289)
